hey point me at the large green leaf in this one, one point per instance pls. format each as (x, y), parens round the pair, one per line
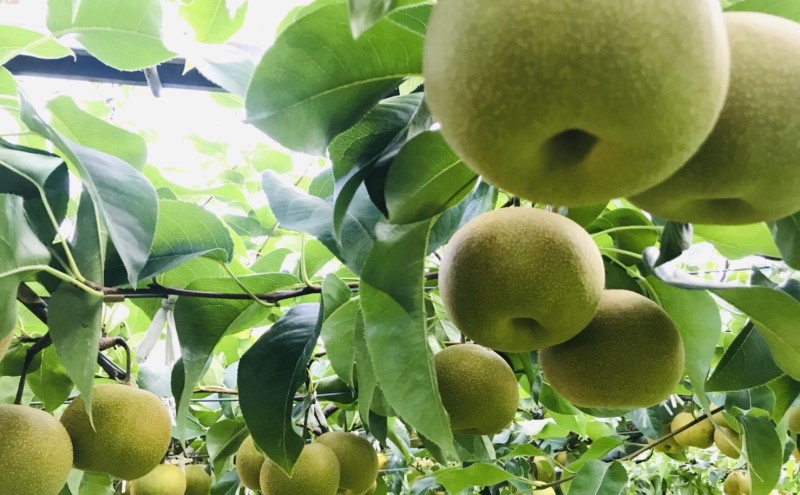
(784, 8)
(184, 231)
(228, 66)
(697, 318)
(223, 440)
(87, 130)
(764, 451)
(125, 34)
(599, 478)
(738, 241)
(747, 363)
(50, 382)
(297, 210)
(425, 179)
(303, 96)
(74, 316)
(38, 177)
(774, 312)
(19, 247)
(392, 302)
(202, 322)
(786, 233)
(124, 199)
(456, 480)
(270, 373)
(212, 20)
(338, 332)
(16, 40)
(775, 315)
(371, 144)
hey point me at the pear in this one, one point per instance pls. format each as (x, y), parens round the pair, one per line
(746, 171)
(520, 279)
(575, 102)
(358, 461)
(164, 479)
(248, 464)
(131, 434)
(35, 452)
(315, 472)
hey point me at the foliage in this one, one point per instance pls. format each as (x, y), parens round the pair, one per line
(283, 258)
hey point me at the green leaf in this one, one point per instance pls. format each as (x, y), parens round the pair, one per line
(38, 177)
(764, 451)
(784, 8)
(212, 20)
(201, 323)
(597, 451)
(125, 34)
(228, 66)
(425, 179)
(371, 144)
(456, 480)
(634, 240)
(228, 484)
(302, 96)
(786, 233)
(675, 239)
(270, 373)
(87, 130)
(697, 317)
(184, 231)
(775, 315)
(746, 363)
(738, 241)
(297, 210)
(223, 440)
(16, 40)
(338, 332)
(599, 478)
(124, 199)
(19, 247)
(392, 302)
(785, 390)
(50, 382)
(479, 201)
(74, 316)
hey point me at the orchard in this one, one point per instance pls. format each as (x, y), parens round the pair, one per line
(399, 247)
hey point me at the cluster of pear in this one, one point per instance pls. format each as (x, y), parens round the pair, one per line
(131, 434)
(169, 479)
(702, 435)
(524, 279)
(336, 463)
(689, 112)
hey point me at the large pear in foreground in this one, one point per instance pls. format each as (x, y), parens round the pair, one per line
(519, 279)
(575, 102)
(748, 170)
(35, 452)
(132, 430)
(248, 464)
(630, 356)
(358, 461)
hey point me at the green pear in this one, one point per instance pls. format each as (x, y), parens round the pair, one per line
(478, 389)
(575, 102)
(728, 442)
(700, 435)
(132, 431)
(358, 460)
(630, 356)
(198, 482)
(35, 452)
(164, 479)
(737, 483)
(544, 468)
(520, 279)
(793, 420)
(248, 464)
(747, 171)
(315, 472)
